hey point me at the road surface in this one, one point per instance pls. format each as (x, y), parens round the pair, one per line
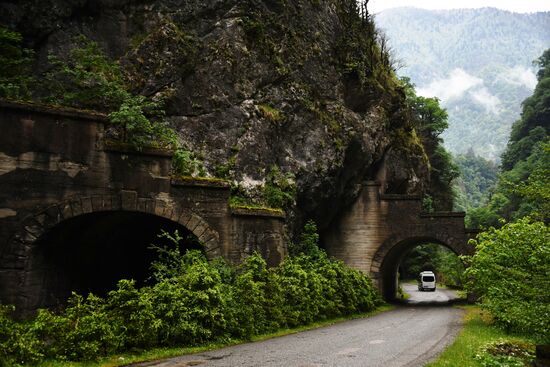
(408, 336)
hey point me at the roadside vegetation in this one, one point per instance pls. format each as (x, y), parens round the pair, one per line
(510, 271)
(481, 344)
(189, 302)
(447, 266)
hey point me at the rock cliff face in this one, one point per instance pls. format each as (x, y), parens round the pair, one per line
(251, 85)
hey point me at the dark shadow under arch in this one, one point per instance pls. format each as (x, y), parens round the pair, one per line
(91, 252)
(32, 287)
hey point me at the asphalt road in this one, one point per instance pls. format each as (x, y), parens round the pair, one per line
(408, 336)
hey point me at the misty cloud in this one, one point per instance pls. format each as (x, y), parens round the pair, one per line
(519, 75)
(483, 97)
(453, 87)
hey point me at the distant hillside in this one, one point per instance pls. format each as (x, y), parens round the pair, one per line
(477, 61)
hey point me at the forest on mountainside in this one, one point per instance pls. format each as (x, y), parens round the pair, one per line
(477, 61)
(523, 185)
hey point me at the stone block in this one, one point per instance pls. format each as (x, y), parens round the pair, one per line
(141, 205)
(76, 206)
(193, 223)
(87, 205)
(66, 211)
(160, 205)
(200, 229)
(97, 203)
(128, 200)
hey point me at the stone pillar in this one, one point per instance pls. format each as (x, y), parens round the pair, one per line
(355, 238)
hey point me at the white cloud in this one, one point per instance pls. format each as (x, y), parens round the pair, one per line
(519, 75)
(453, 87)
(483, 97)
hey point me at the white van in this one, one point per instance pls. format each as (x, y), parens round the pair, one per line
(426, 281)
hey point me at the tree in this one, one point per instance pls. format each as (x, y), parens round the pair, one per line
(15, 66)
(430, 120)
(510, 272)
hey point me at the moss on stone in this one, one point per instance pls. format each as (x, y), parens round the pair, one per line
(270, 113)
(200, 181)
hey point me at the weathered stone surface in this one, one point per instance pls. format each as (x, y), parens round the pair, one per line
(379, 229)
(218, 64)
(126, 183)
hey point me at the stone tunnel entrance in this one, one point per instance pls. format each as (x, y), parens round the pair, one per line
(388, 274)
(91, 252)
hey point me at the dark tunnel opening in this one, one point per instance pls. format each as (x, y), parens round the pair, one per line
(91, 252)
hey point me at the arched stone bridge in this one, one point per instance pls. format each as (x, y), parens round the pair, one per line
(78, 213)
(378, 230)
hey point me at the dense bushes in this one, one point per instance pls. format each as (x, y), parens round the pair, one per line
(191, 301)
(511, 273)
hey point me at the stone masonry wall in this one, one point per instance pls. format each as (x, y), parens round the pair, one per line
(55, 165)
(375, 233)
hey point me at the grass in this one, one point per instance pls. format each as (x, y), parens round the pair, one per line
(477, 332)
(160, 353)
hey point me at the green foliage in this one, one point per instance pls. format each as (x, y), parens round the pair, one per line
(270, 113)
(533, 126)
(186, 163)
(427, 203)
(430, 120)
(522, 187)
(89, 79)
(15, 66)
(504, 353)
(279, 189)
(309, 241)
(137, 129)
(432, 257)
(191, 301)
(477, 177)
(510, 271)
(429, 117)
(86, 79)
(535, 193)
(363, 52)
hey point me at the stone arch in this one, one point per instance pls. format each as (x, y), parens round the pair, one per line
(387, 258)
(35, 225)
(39, 224)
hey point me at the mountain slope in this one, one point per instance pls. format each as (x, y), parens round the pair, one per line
(477, 61)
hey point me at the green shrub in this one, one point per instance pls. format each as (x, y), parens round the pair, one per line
(132, 315)
(191, 301)
(309, 241)
(15, 66)
(250, 292)
(18, 343)
(85, 79)
(89, 79)
(185, 163)
(137, 129)
(510, 271)
(279, 189)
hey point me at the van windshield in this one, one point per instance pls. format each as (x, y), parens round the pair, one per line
(428, 278)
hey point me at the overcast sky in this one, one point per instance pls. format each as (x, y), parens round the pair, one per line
(520, 6)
